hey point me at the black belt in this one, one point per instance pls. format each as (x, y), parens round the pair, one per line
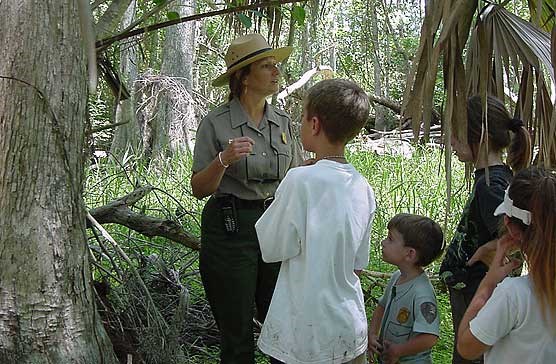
(262, 204)
(242, 204)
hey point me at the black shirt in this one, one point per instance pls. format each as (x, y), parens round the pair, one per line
(477, 226)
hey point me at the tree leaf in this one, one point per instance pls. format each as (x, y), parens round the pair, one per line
(158, 2)
(298, 13)
(172, 15)
(245, 20)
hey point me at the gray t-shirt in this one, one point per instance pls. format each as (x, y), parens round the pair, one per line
(410, 309)
(257, 176)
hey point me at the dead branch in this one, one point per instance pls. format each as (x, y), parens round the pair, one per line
(119, 212)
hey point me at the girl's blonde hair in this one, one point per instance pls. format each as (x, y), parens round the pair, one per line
(534, 189)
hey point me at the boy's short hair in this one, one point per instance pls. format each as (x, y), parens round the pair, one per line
(341, 106)
(420, 233)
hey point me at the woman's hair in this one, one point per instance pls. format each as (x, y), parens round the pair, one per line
(534, 189)
(500, 124)
(236, 82)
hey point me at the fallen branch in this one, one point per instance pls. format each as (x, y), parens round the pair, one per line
(119, 212)
(302, 81)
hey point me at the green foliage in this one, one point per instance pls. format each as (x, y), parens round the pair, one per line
(298, 13)
(172, 15)
(245, 20)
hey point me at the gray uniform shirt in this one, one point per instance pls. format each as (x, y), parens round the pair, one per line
(410, 309)
(257, 176)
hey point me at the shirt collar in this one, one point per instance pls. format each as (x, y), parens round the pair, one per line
(239, 116)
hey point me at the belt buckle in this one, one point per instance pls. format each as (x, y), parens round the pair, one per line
(267, 202)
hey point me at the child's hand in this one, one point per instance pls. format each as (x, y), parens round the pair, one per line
(390, 353)
(374, 346)
(502, 266)
(485, 253)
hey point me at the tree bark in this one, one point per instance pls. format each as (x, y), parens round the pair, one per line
(47, 310)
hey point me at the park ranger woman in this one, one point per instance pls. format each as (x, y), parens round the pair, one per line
(242, 151)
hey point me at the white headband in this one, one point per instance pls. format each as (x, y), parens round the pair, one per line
(507, 207)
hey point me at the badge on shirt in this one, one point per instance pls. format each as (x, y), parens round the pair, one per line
(403, 315)
(429, 312)
(284, 139)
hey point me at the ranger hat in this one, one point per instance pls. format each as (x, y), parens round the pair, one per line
(245, 50)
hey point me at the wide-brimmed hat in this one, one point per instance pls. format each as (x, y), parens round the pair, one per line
(248, 49)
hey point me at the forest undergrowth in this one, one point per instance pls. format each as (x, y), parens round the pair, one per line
(149, 292)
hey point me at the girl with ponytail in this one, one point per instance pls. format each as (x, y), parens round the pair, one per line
(490, 135)
(515, 321)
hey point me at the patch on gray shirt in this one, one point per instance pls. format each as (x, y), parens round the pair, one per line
(428, 310)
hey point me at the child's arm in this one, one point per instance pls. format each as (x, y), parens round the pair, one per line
(282, 225)
(469, 346)
(422, 342)
(374, 326)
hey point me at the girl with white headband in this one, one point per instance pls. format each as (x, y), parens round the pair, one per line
(515, 321)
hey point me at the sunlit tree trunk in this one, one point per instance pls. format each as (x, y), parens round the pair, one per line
(377, 79)
(127, 137)
(47, 310)
(176, 105)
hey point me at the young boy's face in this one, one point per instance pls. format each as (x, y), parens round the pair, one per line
(393, 247)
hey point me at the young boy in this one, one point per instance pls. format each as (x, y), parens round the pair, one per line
(318, 226)
(405, 324)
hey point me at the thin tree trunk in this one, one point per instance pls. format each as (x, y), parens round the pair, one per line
(379, 111)
(47, 310)
(127, 137)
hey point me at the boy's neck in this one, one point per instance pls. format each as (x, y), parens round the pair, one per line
(408, 273)
(327, 150)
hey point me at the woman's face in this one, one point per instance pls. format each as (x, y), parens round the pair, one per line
(263, 77)
(462, 150)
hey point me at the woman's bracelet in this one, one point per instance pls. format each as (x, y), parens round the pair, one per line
(220, 159)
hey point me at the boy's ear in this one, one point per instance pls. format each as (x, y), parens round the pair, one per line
(412, 254)
(315, 125)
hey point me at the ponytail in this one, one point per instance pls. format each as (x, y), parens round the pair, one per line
(519, 150)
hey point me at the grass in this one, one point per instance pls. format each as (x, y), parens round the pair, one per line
(415, 185)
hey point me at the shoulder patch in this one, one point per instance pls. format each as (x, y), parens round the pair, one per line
(429, 312)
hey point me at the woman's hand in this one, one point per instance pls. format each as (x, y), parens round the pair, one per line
(237, 149)
(501, 266)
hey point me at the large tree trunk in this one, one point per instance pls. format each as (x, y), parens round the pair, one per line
(47, 311)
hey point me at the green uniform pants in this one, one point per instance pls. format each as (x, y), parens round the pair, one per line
(235, 279)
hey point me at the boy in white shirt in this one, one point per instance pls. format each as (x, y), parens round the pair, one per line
(319, 226)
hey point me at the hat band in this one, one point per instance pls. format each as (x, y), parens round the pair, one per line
(249, 56)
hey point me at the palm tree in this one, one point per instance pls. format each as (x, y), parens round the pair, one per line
(505, 56)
